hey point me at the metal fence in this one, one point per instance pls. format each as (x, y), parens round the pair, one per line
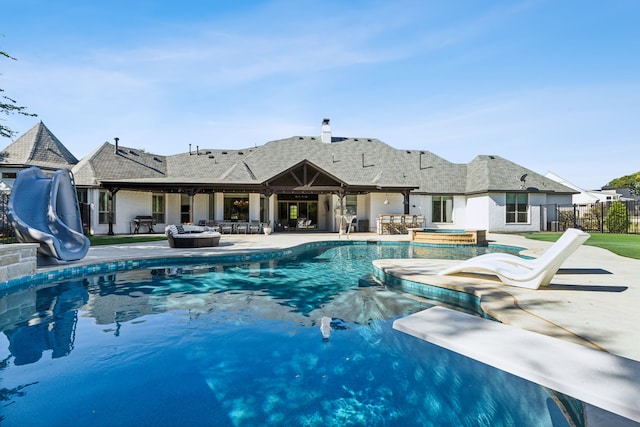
(6, 229)
(608, 217)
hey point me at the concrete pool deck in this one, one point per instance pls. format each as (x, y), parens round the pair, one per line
(592, 301)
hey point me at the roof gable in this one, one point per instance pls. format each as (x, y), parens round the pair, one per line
(305, 176)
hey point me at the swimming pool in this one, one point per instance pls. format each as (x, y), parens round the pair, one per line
(241, 344)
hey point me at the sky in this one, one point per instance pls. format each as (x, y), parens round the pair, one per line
(550, 85)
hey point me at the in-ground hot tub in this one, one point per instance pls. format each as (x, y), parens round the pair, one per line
(445, 236)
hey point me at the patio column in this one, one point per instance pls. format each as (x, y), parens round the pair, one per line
(406, 202)
(112, 193)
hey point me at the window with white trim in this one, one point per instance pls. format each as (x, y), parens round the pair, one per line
(103, 207)
(158, 208)
(517, 208)
(442, 209)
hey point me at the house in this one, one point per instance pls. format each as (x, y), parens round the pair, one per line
(316, 178)
(586, 197)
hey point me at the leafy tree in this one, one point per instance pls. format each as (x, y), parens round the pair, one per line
(628, 181)
(9, 106)
(616, 219)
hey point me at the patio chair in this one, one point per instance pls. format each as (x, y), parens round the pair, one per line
(385, 224)
(255, 227)
(353, 225)
(397, 225)
(515, 271)
(226, 227)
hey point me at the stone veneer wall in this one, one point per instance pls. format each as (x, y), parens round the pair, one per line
(17, 260)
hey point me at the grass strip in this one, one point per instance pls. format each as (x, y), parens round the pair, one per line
(626, 245)
(119, 240)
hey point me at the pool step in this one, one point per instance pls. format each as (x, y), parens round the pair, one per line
(368, 281)
(469, 237)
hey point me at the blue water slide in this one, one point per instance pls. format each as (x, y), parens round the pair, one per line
(45, 210)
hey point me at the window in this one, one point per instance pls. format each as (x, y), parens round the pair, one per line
(517, 208)
(83, 195)
(293, 211)
(9, 175)
(442, 209)
(236, 207)
(157, 208)
(103, 207)
(264, 208)
(212, 207)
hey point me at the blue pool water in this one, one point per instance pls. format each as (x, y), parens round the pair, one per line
(241, 344)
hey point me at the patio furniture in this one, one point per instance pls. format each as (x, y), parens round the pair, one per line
(385, 224)
(143, 220)
(397, 225)
(242, 227)
(255, 227)
(191, 237)
(304, 223)
(226, 227)
(352, 225)
(515, 271)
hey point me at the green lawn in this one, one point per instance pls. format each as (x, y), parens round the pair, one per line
(118, 240)
(626, 245)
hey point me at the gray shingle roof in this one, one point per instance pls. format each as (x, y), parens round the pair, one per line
(108, 164)
(37, 147)
(359, 162)
(494, 173)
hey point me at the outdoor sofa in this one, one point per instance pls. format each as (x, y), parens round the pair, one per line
(191, 236)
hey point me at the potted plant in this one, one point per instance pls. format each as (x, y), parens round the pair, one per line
(267, 229)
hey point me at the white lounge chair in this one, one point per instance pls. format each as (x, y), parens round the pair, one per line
(515, 271)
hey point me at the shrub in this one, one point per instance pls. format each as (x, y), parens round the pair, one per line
(567, 219)
(616, 219)
(592, 218)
